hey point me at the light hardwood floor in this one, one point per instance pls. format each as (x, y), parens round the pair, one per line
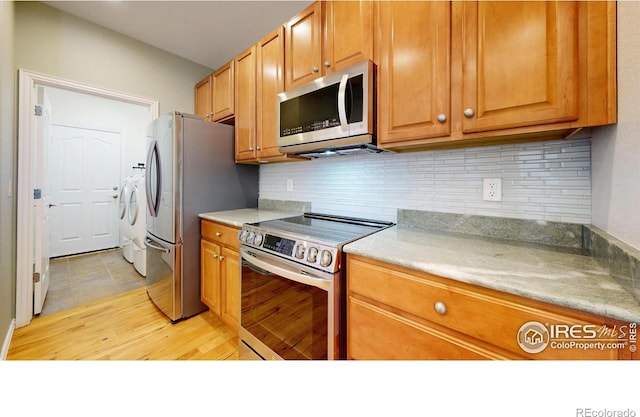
(127, 326)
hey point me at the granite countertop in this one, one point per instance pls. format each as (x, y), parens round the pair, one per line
(250, 215)
(561, 276)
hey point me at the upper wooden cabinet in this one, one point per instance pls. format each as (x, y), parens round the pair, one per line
(259, 79)
(520, 64)
(512, 71)
(203, 97)
(413, 70)
(270, 82)
(245, 96)
(303, 53)
(326, 37)
(223, 92)
(348, 33)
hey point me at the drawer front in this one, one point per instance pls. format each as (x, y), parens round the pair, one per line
(482, 315)
(374, 333)
(221, 233)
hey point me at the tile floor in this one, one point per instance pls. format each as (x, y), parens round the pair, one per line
(81, 279)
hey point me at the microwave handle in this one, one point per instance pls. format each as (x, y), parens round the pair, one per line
(342, 106)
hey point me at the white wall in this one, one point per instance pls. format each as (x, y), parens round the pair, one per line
(81, 110)
(541, 181)
(616, 149)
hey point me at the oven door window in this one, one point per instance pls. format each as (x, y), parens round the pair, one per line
(290, 318)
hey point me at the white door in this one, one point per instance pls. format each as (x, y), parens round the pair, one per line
(41, 202)
(84, 166)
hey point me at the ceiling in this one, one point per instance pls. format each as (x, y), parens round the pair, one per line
(207, 32)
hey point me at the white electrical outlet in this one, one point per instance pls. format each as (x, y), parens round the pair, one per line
(492, 189)
(289, 184)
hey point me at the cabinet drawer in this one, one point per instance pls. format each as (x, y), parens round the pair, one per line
(486, 315)
(375, 333)
(226, 235)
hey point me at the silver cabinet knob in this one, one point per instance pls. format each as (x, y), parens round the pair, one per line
(468, 113)
(440, 308)
(258, 148)
(218, 234)
(115, 188)
(442, 118)
(315, 69)
(250, 148)
(115, 196)
(221, 258)
(215, 256)
(327, 64)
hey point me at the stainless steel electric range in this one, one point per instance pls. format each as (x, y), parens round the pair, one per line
(293, 285)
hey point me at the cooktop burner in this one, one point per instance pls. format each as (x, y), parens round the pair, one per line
(312, 239)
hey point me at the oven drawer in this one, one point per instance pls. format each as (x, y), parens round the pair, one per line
(412, 340)
(221, 233)
(486, 315)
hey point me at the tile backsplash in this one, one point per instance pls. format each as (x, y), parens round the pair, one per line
(540, 181)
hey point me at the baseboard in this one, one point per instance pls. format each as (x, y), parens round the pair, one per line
(7, 341)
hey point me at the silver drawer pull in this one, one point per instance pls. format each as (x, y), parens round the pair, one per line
(218, 234)
(440, 308)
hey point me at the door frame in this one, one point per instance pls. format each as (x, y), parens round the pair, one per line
(27, 81)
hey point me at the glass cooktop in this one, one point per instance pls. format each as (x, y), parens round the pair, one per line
(330, 229)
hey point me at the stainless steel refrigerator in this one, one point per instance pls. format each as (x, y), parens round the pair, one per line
(190, 169)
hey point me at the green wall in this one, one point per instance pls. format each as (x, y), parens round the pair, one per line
(7, 171)
(55, 43)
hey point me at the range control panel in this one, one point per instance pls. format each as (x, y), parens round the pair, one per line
(305, 252)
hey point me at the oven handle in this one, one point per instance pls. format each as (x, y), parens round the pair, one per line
(283, 270)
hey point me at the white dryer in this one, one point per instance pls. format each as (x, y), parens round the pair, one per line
(137, 216)
(126, 242)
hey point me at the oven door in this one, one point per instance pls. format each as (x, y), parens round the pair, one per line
(287, 310)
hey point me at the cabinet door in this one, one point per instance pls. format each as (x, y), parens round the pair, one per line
(230, 290)
(245, 90)
(303, 48)
(203, 98)
(348, 33)
(210, 275)
(223, 100)
(413, 70)
(270, 82)
(520, 64)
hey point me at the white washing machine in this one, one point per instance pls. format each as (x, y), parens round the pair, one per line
(126, 242)
(137, 216)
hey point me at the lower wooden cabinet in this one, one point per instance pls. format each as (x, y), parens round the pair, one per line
(399, 313)
(220, 271)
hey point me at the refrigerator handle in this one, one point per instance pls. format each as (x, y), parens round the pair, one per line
(148, 242)
(151, 155)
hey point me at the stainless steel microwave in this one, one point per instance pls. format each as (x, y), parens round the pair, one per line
(334, 114)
